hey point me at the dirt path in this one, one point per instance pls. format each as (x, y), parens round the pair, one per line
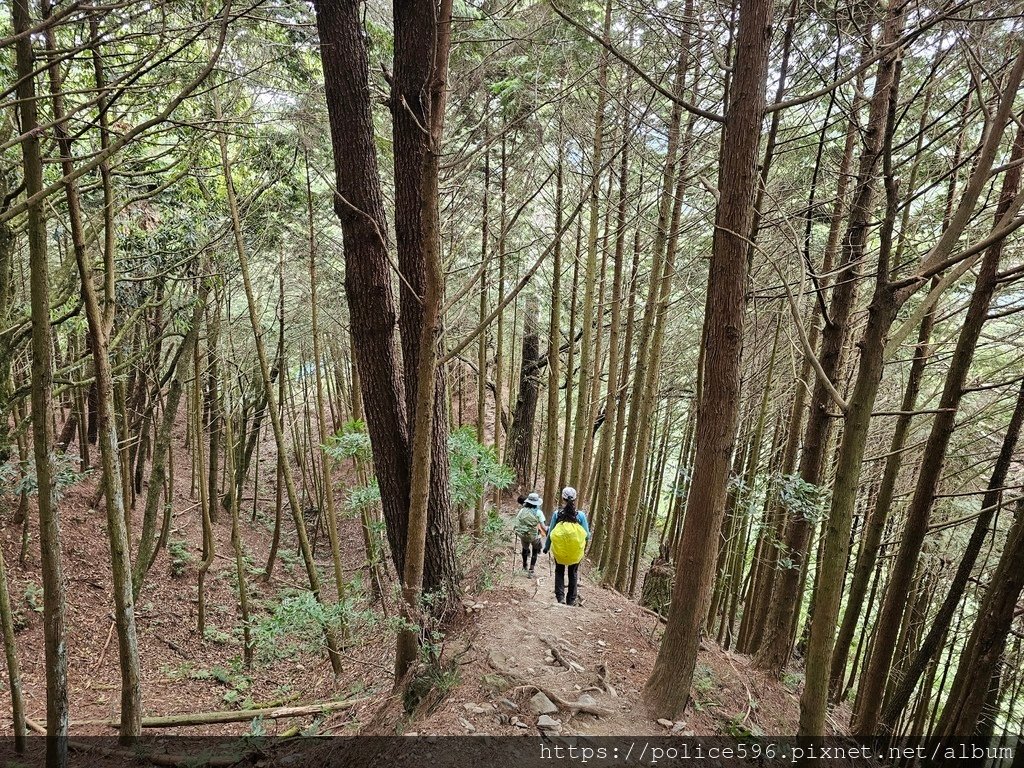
(603, 654)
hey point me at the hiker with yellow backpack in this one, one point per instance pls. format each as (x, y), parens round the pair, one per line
(568, 534)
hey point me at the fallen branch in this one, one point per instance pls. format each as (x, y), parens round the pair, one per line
(561, 655)
(742, 679)
(110, 634)
(234, 715)
(154, 758)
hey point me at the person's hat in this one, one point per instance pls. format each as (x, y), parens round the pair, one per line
(569, 493)
(533, 500)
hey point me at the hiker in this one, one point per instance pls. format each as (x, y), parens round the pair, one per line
(568, 534)
(529, 525)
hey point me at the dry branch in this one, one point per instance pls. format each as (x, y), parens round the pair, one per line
(235, 715)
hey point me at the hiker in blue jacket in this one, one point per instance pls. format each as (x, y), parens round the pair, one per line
(567, 514)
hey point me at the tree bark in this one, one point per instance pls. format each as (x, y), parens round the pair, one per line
(54, 585)
(110, 454)
(519, 454)
(668, 688)
(422, 39)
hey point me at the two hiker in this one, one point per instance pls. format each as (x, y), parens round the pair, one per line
(567, 534)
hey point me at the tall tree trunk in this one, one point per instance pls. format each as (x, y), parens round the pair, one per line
(668, 688)
(422, 39)
(359, 206)
(110, 455)
(584, 423)
(54, 585)
(551, 490)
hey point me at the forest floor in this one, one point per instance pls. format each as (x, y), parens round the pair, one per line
(512, 640)
(183, 671)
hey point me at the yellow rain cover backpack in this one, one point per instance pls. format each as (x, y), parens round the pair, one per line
(568, 541)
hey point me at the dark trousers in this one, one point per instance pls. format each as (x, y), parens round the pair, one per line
(531, 548)
(560, 594)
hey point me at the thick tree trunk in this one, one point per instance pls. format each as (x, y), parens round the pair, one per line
(422, 38)
(359, 206)
(668, 688)
(519, 454)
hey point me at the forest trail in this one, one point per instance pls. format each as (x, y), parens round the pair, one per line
(603, 653)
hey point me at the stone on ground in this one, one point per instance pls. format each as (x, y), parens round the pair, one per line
(548, 723)
(542, 705)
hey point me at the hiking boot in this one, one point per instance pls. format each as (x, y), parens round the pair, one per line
(530, 574)
(561, 600)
